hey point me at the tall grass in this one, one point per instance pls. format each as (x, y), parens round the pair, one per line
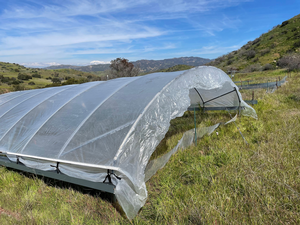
(220, 181)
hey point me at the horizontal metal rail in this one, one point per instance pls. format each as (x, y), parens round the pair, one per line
(197, 108)
(64, 161)
(105, 187)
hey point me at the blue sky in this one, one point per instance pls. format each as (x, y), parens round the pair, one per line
(82, 32)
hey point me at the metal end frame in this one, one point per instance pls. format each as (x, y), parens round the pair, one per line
(239, 100)
(219, 108)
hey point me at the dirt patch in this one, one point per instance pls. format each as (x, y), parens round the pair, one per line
(290, 113)
(17, 216)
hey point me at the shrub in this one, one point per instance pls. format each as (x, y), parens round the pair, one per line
(248, 45)
(256, 41)
(36, 75)
(264, 51)
(55, 80)
(268, 66)
(16, 70)
(253, 68)
(284, 23)
(250, 54)
(291, 62)
(296, 44)
(75, 81)
(230, 61)
(15, 82)
(31, 83)
(24, 76)
(18, 87)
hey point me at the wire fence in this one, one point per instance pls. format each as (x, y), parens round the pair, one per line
(263, 85)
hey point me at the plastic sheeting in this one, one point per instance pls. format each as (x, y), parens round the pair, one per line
(187, 140)
(96, 126)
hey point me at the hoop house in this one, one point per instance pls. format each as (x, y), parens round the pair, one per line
(85, 131)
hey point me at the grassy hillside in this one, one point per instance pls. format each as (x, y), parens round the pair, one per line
(220, 181)
(264, 52)
(176, 68)
(14, 77)
(146, 66)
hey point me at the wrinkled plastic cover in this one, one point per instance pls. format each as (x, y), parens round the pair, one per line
(187, 140)
(114, 123)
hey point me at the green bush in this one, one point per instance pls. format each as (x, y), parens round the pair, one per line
(24, 76)
(250, 54)
(296, 44)
(268, 66)
(36, 75)
(55, 80)
(284, 23)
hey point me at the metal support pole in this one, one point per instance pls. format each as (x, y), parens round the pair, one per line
(239, 101)
(195, 126)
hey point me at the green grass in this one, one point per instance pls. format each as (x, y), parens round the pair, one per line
(12, 70)
(220, 181)
(269, 47)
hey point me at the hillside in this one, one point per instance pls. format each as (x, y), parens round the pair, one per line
(62, 67)
(144, 65)
(15, 77)
(264, 52)
(154, 65)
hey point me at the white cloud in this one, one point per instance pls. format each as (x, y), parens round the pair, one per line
(96, 62)
(62, 30)
(40, 65)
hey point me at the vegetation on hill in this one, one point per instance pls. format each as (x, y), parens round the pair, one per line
(15, 77)
(145, 66)
(220, 181)
(270, 51)
(176, 68)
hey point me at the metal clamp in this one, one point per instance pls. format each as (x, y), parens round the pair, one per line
(108, 176)
(57, 169)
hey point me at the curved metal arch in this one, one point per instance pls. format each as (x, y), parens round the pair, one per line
(88, 116)
(101, 82)
(31, 110)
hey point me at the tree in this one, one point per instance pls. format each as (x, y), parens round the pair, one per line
(121, 67)
(56, 80)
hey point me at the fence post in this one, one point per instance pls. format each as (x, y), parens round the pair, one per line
(195, 126)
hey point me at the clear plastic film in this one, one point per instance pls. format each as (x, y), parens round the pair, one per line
(117, 123)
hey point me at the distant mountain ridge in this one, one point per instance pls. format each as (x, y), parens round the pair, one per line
(145, 65)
